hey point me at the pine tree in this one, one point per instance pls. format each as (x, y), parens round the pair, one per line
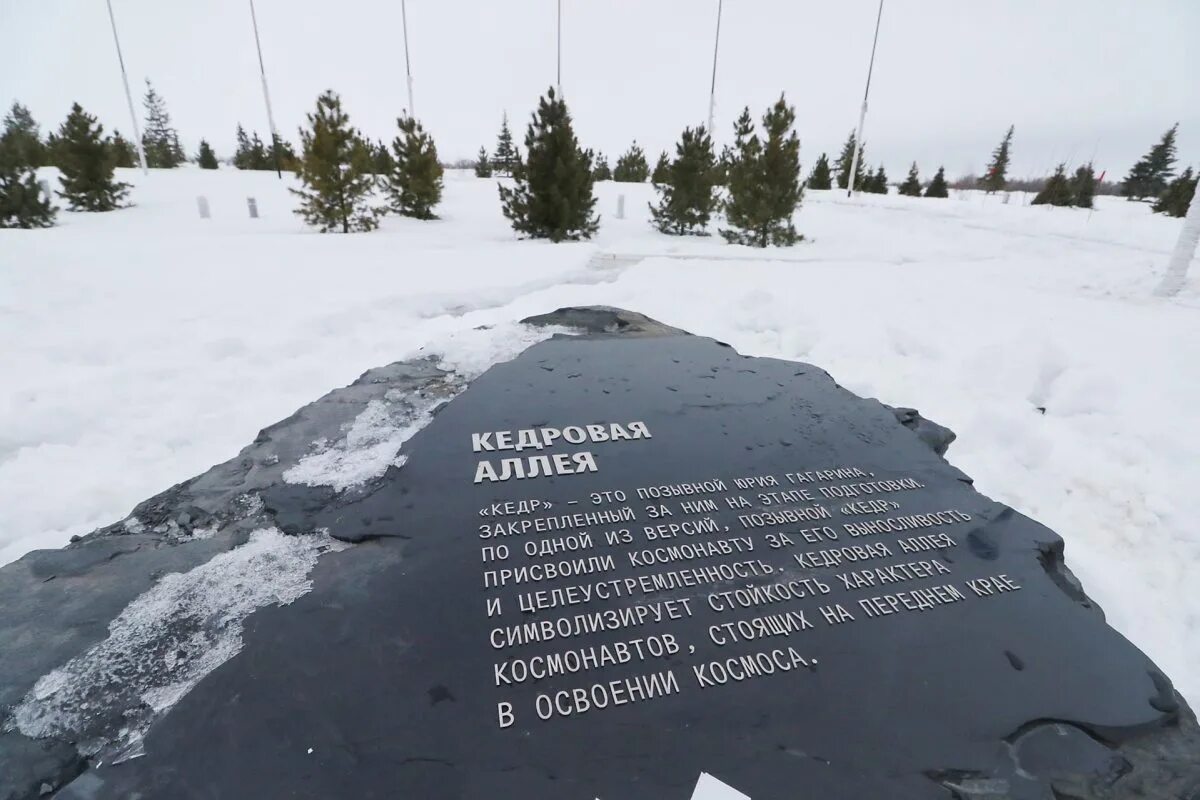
(662, 169)
(206, 158)
(337, 183)
(553, 196)
(243, 157)
(844, 162)
(1057, 191)
(764, 180)
(632, 166)
(86, 161)
(124, 153)
(382, 161)
(483, 167)
(1083, 186)
(937, 187)
(160, 141)
(24, 137)
(820, 178)
(601, 172)
(996, 177)
(912, 184)
(1178, 196)
(505, 157)
(259, 159)
(877, 183)
(288, 160)
(687, 189)
(415, 184)
(22, 202)
(1149, 177)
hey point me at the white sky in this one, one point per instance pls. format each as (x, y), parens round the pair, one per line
(1078, 78)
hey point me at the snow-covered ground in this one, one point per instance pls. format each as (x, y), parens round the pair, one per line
(140, 347)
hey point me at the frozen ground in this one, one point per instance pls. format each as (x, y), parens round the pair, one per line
(140, 347)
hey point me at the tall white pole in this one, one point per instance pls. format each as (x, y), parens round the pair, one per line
(712, 89)
(137, 133)
(262, 70)
(1185, 250)
(862, 116)
(558, 72)
(407, 63)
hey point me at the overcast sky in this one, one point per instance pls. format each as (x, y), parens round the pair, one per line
(1080, 79)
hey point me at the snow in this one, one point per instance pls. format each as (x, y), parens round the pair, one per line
(164, 642)
(143, 346)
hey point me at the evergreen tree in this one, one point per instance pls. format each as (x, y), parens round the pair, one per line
(553, 197)
(687, 186)
(632, 167)
(1178, 196)
(337, 183)
(483, 167)
(1083, 186)
(124, 153)
(22, 202)
(1149, 177)
(844, 162)
(243, 156)
(86, 161)
(382, 161)
(288, 160)
(996, 177)
(1057, 191)
(415, 184)
(206, 158)
(937, 187)
(259, 158)
(877, 183)
(723, 162)
(912, 184)
(505, 158)
(764, 180)
(601, 172)
(820, 177)
(662, 169)
(160, 141)
(24, 137)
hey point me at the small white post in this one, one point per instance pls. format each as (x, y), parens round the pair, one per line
(1185, 250)
(202, 206)
(620, 206)
(252, 205)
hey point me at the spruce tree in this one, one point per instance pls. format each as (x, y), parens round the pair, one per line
(662, 169)
(22, 202)
(820, 177)
(337, 181)
(553, 196)
(124, 153)
(937, 187)
(764, 180)
(415, 183)
(505, 157)
(1057, 191)
(86, 161)
(24, 137)
(687, 189)
(382, 161)
(483, 167)
(206, 158)
(1179, 195)
(243, 157)
(1083, 186)
(259, 159)
(912, 184)
(601, 172)
(1149, 177)
(632, 166)
(288, 160)
(996, 177)
(160, 141)
(844, 161)
(878, 182)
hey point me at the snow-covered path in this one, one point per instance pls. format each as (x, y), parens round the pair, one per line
(141, 347)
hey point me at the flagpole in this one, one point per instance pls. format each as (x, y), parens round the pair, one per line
(558, 73)
(862, 116)
(1185, 250)
(407, 64)
(137, 134)
(262, 70)
(712, 90)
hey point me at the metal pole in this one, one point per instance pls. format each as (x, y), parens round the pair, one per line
(266, 93)
(407, 66)
(862, 116)
(137, 134)
(558, 74)
(1185, 250)
(712, 90)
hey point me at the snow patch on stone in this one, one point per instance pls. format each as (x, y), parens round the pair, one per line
(164, 642)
